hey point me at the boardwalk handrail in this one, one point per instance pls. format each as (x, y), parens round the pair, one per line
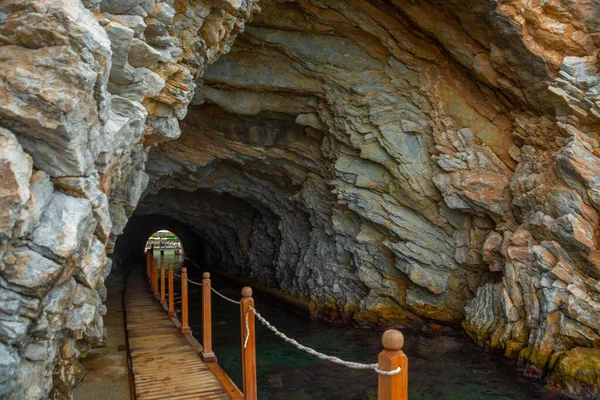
(322, 356)
(185, 326)
(162, 282)
(392, 365)
(207, 352)
(336, 360)
(248, 346)
(171, 293)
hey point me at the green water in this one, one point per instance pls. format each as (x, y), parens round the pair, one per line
(440, 367)
(170, 257)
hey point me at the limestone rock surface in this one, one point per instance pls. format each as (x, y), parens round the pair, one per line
(85, 88)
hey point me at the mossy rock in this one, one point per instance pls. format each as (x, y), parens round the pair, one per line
(578, 371)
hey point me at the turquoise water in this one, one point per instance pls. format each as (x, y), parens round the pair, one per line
(440, 367)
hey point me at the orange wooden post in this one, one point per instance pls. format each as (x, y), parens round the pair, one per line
(207, 352)
(248, 345)
(394, 387)
(162, 282)
(171, 293)
(185, 327)
(152, 265)
(155, 278)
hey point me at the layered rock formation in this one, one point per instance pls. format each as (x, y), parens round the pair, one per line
(407, 161)
(86, 87)
(389, 162)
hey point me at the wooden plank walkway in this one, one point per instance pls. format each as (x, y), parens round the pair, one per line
(165, 363)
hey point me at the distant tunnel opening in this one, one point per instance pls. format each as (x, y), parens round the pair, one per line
(140, 231)
(167, 245)
(218, 231)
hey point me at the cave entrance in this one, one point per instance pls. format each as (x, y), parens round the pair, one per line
(165, 233)
(167, 245)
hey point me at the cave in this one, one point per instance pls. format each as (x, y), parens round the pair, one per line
(384, 163)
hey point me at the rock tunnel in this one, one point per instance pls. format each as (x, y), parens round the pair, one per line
(363, 161)
(130, 247)
(387, 162)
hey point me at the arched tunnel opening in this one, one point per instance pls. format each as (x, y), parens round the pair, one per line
(131, 246)
(218, 232)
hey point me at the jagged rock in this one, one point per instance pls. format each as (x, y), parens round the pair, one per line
(134, 22)
(65, 226)
(475, 179)
(30, 270)
(9, 362)
(492, 252)
(141, 54)
(15, 173)
(54, 124)
(577, 371)
(13, 328)
(41, 189)
(119, 6)
(92, 268)
(38, 351)
(15, 303)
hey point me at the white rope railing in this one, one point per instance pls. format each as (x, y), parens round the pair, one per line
(224, 297)
(313, 352)
(213, 290)
(188, 279)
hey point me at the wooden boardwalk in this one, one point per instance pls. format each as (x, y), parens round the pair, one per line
(165, 363)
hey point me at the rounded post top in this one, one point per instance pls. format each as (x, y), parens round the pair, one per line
(392, 340)
(247, 291)
(206, 275)
(184, 270)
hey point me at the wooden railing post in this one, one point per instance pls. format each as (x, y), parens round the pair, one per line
(155, 278)
(248, 345)
(207, 352)
(147, 254)
(185, 327)
(152, 265)
(171, 293)
(162, 282)
(394, 387)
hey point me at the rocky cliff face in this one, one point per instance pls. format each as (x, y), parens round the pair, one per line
(389, 162)
(85, 87)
